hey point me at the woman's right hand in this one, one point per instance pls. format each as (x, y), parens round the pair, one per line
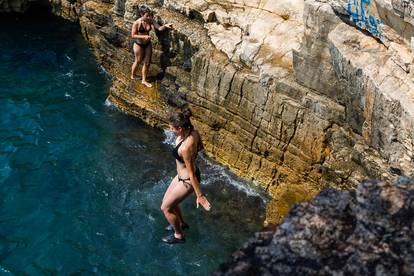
(202, 200)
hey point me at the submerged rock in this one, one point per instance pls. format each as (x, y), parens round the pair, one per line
(366, 232)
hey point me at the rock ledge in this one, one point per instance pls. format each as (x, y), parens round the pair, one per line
(367, 232)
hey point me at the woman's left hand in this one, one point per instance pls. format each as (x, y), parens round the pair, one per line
(202, 200)
(168, 25)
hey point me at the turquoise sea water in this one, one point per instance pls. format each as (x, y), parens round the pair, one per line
(81, 183)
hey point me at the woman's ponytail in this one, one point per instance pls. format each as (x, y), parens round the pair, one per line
(186, 112)
(181, 119)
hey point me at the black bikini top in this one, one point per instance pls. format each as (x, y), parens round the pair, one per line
(142, 29)
(175, 150)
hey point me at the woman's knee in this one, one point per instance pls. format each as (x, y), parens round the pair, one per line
(166, 208)
(138, 56)
(147, 57)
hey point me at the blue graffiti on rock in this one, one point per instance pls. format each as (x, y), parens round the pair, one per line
(359, 11)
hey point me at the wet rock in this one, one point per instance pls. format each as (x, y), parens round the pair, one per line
(366, 232)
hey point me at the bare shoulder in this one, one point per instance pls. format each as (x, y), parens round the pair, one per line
(134, 25)
(196, 135)
(191, 142)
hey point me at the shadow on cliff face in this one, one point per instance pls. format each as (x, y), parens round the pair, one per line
(33, 8)
(366, 232)
(38, 11)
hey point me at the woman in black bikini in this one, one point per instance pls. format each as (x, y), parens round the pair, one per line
(142, 41)
(188, 144)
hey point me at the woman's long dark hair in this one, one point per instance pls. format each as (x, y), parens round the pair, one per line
(143, 9)
(181, 119)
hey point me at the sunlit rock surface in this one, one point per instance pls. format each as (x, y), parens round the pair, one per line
(366, 232)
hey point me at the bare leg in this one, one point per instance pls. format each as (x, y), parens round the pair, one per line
(147, 60)
(138, 53)
(177, 211)
(175, 193)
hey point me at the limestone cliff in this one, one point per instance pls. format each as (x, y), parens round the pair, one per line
(294, 95)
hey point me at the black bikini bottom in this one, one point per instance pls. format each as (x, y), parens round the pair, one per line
(186, 181)
(143, 46)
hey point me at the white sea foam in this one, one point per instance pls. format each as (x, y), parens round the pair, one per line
(68, 96)
(68, 57)
(110, 104)
(91, 110)
(169, 137)
(221, 173)
(5, 271)
(196, 263)
(69, 74)
(106, 73)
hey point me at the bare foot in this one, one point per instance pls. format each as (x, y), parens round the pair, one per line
(147, 84)
(132, 78)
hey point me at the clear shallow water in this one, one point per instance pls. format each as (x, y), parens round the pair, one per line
(81, 184)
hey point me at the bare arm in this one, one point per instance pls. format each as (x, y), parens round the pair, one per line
(161, 28)
(134, 31)
(188, 156)
(188, 153)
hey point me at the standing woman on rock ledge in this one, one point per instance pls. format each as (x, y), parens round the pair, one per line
(188, 144)
(142, 41)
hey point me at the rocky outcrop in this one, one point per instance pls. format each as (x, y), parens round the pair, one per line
(374, 83)
(292, 95)
(68, 9)
(367, 232)
(14, 5)
(252, 114)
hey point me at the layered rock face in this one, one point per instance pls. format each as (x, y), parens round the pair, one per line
(367, 232)
(373, 81)
(251, 113)
(293, 95)
(289, 94)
